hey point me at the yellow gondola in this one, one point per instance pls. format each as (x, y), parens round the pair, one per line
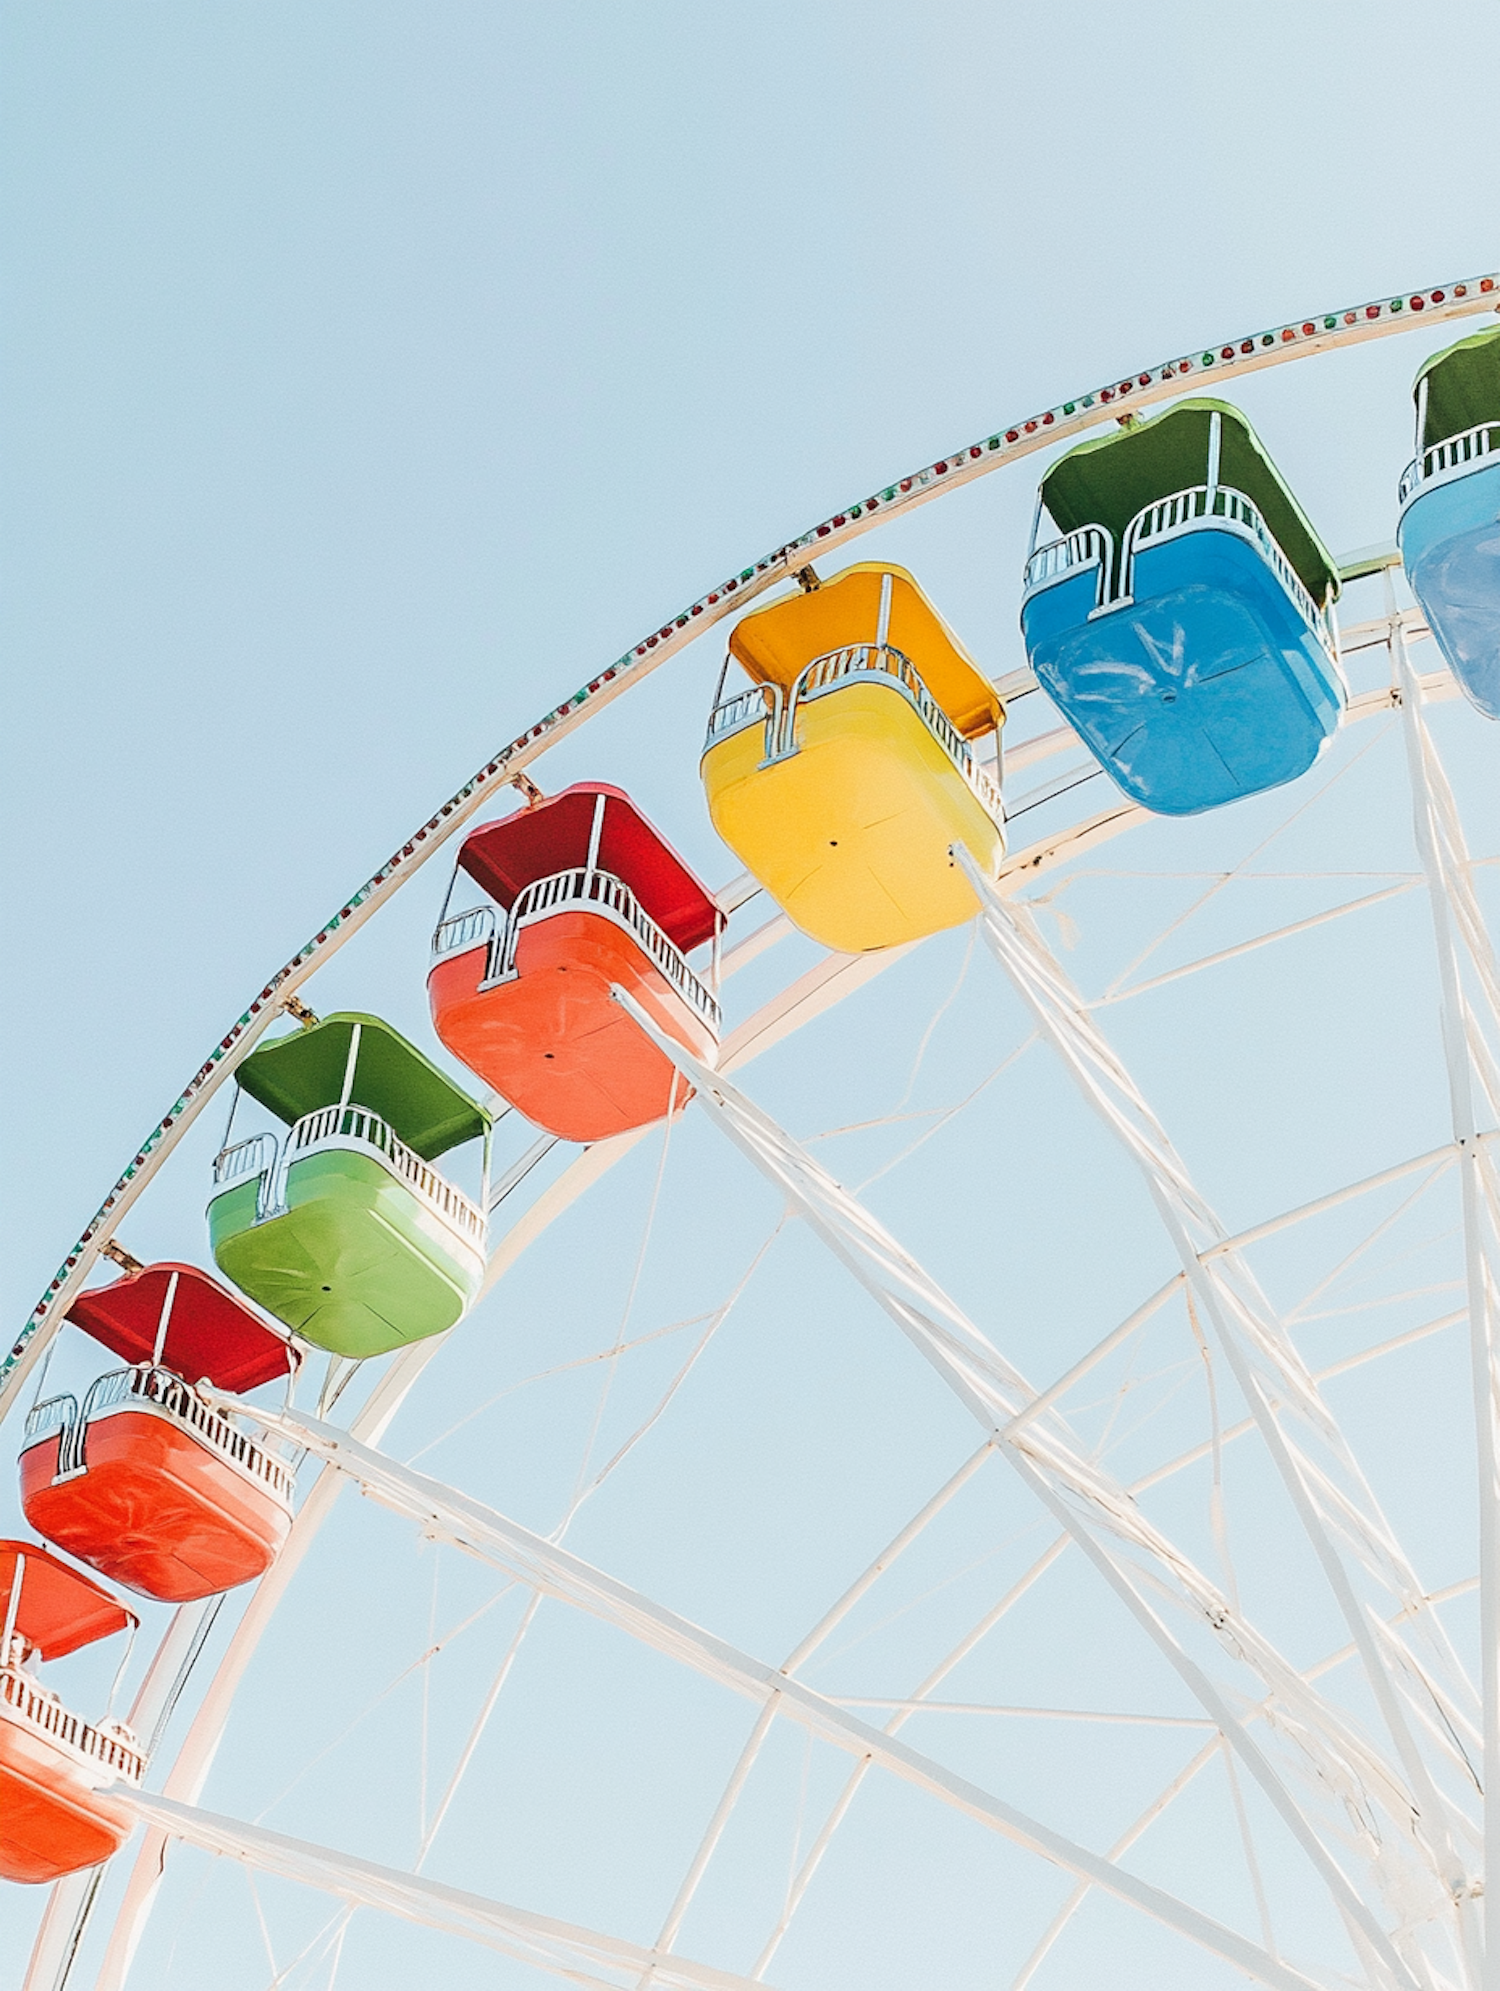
(844, 777)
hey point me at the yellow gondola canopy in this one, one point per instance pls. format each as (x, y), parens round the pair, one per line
(777, 642)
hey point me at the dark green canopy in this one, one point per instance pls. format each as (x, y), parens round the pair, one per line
(1106, 482)
(297, 1074)
(1463, 387)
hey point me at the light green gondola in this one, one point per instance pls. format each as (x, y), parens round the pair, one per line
(343, 1229)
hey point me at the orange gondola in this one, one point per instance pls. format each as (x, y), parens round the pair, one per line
(54, 1815)
(590, 897)
(148, 1483)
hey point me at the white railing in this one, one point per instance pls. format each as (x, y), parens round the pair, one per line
(890, 666)
(166, 1391)
(603, 892)
(1455, 454)
(110, 1746)
(55, 1413)
(464, 930)
(761, 704)
(1091, 545)
(356, 1127)
(256, 1156)
(1221, 506)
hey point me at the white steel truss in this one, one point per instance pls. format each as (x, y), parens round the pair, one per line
(1413, 1671)
(563, 1949)
(1469, 1011)
(444, 1514)
(1350, 1798)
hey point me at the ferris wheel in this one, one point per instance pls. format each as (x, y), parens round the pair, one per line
(922, 1373)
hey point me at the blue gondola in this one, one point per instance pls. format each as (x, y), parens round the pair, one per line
(1183, 623)
(1450, 511)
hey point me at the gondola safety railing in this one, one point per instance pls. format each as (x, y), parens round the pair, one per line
(164, 1391)
(1091, 545)
(599, 891)
(343, 1127)
(1456, 453)
(40, 1710)
(1167, 518)
(832, 672)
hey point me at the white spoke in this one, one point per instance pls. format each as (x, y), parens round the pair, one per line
(1462, 944)
(1117, 1851)
(1339, 1513)
(1134, 1558)
(821, 1631)
(560, 1948)
(479, 1531)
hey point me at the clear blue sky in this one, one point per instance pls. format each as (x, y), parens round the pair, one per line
(376, 373)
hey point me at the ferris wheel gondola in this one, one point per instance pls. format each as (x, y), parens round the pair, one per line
(1183, 621)
(1450, 517)
(844, 777)
(344, 1230)
(56, 1814)
(584, 895)
(146, 1482)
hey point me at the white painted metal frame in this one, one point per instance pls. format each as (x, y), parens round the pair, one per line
(562, 1949)
(1348, 1533)
(1144, 1568)
(807, 998)
(543, 1566)
(1469, 988)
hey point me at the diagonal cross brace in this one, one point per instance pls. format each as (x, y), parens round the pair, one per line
(1469, 1016)
(478, 1530)
(561, 1948)
(1134, 1557)
(1335, 1503)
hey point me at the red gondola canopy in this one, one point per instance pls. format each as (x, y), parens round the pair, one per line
(507, 856)
(209, 1332)
(58, 1609)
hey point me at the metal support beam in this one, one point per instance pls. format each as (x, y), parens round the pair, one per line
(563, 1949)
(1466, 968)
(445, 1514)
(1356, 1548)
(1135, 1558)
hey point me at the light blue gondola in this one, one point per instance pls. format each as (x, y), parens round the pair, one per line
(1183, 623)
(1450, 511)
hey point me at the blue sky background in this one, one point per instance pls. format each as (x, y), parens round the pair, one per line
(375, 374)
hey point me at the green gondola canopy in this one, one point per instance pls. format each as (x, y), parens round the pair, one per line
(1463, 387)
(298, 1074)
(1106, 482)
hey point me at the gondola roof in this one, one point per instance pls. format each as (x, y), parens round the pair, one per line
(59, 1609)
(507, 856)
(775, 643)
(209, 1332)
(1109, 480)
(301, 1072)
(1463, 387)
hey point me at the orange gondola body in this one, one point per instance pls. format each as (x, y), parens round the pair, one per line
(589, 898)
(55, 1815)
(148, 1483)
